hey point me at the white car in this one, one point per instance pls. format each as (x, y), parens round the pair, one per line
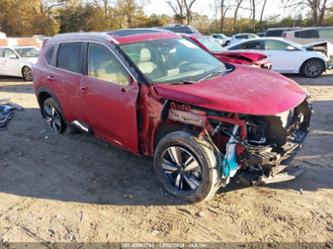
(222, 39)
(287, 56)
(17, 61)
(241, 36)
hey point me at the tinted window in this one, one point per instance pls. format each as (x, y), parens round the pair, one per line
(274, 33)
(2, 52)
(69, 57)
(307, 34)
(241, 36)
(326, 33)
(103, 65)
(49, 55)
(251, 45)
(275, 45)
(9, 53)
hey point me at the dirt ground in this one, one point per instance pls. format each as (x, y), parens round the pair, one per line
(77, 188)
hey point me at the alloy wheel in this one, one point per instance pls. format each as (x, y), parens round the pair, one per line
(53, 118)
(313, 68)
(181, 168)
(27, 74)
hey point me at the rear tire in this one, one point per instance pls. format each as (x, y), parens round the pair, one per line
(313, 68)
(27, 73)
(187, 167)
(53, 115)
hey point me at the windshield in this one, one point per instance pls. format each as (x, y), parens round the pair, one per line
(172, 60)
(210, 44)
(27, 52)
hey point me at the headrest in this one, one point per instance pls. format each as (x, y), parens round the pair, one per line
(145, 55)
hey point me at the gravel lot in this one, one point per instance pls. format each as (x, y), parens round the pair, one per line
(77, 188)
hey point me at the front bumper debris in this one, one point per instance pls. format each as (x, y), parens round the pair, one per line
(287, 174)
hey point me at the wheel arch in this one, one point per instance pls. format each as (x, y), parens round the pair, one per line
(43, 94)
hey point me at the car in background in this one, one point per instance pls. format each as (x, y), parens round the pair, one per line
(17, 61)
(261, 34)
(221, 38)
(253, 58)
(287, 56)
(240, 37)
(158, 95)
(310, 35)
(185, 29)
(277, 32)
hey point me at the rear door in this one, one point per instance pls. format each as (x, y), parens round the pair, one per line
(110, 97)
(64, 78)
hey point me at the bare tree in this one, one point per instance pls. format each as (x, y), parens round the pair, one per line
(262, 11)
(182, 9)
(223, 7)
(318, 8)
(237, 7)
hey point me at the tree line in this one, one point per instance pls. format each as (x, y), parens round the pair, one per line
(48, 17)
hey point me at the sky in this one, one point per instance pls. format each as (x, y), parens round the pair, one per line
(206, 7)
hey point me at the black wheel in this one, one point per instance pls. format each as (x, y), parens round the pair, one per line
(313, 68)
(53, 116)
(27, 73)
(187, 167)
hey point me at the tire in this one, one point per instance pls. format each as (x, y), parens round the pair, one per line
(53, 115)
(313, 68)
(195, 180)
(27, 73)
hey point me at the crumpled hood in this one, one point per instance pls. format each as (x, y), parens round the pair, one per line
(245, 90)
(251, 56)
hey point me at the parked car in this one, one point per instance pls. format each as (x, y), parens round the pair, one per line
(277, 32)
(310, 35)
(287, 56)
(17, 61)
(261, 34)
(185, 29)
(240, 37)
(207, 43)
(159, 95)
(222, 39)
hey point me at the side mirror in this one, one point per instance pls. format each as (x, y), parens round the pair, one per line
(290, 48)
(13, 57)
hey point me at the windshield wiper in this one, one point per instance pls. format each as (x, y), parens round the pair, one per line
(214, 74)
(183, 82)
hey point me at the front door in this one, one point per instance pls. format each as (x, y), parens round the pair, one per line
(11, 64)
(110, 97)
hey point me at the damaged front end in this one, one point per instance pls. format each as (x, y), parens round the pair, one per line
(253, 149)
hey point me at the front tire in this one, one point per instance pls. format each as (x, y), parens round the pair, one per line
(187, 167)
(27, 73)
(313, 68)
(54, 118)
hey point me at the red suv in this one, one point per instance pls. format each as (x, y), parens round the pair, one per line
(158, 95)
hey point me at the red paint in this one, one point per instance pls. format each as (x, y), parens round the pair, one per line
(245, 90)
(132, 116)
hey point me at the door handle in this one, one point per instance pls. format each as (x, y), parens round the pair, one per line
(84, 89)
(50, 77)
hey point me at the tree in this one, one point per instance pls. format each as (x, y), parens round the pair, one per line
(223, 6)
(237, 7)
(182, 9)
(262, 11)
(317, 7)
